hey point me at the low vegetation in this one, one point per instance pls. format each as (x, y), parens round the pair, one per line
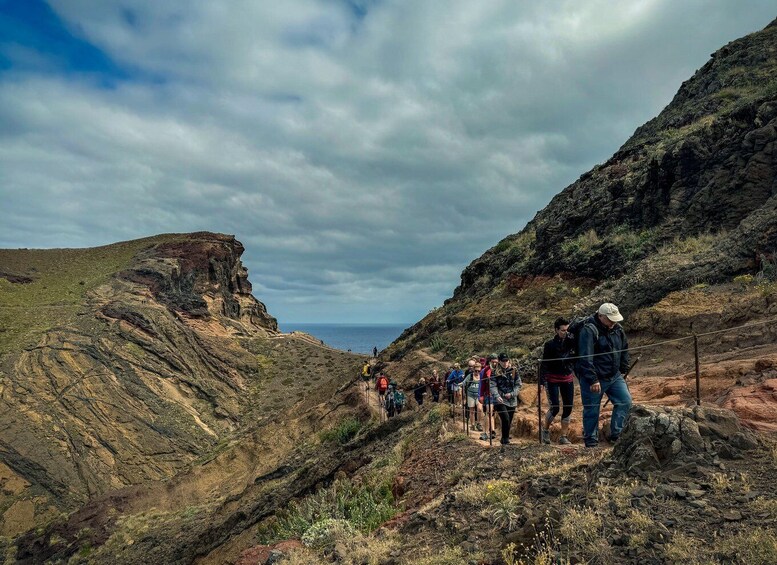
(59, 282)
(362, 506)
(343, 432)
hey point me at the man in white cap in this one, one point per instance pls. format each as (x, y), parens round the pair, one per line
(604, 359)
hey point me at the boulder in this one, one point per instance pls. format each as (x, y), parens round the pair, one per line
(670, 439)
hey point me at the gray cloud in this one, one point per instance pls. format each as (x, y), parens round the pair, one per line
(363, 152)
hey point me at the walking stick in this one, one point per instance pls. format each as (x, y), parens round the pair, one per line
(464, 415)
(490, 421)
(624, 378)
(539, 400)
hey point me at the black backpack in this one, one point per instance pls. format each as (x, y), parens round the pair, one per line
(574, 329)
(576, 326)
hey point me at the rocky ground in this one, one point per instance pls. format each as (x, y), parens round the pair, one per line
(682, 485)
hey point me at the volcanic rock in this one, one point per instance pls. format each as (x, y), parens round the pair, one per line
(666, 439)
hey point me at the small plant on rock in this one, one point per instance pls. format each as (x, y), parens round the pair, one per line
(504, 513)
(720, 482)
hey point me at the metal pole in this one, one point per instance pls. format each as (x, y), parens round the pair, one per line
(696, 358)
(464, 415)
(539, 402)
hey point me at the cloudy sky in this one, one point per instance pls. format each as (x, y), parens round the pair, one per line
(364, 151)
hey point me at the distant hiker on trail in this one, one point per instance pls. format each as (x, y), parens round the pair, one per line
(604, 358)
(454, 380)
(471, 390)
(399, 399)
(505, 384)
(419, 391)
(557, 378)
(366, 371)
(375, 351)
(391, 400)
(446, 380)
(484, 395)
(435, 385)
(381, 385)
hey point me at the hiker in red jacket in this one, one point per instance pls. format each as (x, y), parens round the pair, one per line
(381, 385)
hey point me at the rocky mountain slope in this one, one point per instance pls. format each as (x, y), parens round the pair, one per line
(126, 364)
(688, 203)
(153, 414)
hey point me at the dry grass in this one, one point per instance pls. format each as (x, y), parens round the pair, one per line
(553, 463)
(686, 550)
(61, 280)
(639, 525)
(581, 528)
(348, 550)
(754, 547)
(481, 494)
(764, 506)
(720, 482)
(448, 556)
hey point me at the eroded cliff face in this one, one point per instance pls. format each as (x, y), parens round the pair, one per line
(158, 363)
(689, 200)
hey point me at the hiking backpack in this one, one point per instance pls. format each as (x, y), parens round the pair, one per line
(577, 325)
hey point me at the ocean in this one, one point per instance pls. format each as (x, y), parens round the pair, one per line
(359, 338)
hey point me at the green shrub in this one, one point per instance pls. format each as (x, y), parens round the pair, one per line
(324, 534)
(744, 279)
(632, 244)
(768, 270)
(582, 246)
(437, 343)
(364, 507)
(343, 432)
(435, 415)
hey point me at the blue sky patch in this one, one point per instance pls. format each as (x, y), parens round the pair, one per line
(33, 38)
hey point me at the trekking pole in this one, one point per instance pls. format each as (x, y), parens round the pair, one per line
(634, 364)
(490, 421)
(539, 401)
(464, 418)
(698, 375)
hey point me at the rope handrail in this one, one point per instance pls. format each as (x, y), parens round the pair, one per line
(663, 342)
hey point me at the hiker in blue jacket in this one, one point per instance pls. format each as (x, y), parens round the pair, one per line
(604, 359)
(453, 381)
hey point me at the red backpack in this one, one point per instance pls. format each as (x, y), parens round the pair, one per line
(382, 383)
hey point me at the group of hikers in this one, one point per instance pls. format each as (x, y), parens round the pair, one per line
(593, 349)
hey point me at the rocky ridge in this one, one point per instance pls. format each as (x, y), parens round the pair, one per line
(689, 200)
(153, 365)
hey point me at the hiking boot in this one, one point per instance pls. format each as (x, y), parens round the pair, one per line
(546, 436)
(493, 434)
(478, 427)
(504, 441)
(484, 436)
(592, 445)
(563, 440)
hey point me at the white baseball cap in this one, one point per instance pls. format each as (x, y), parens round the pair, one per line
(611, 311)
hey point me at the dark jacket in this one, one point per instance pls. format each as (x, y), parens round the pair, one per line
(505, 381)
(558, 349)
(419, 391)
(595, 338)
